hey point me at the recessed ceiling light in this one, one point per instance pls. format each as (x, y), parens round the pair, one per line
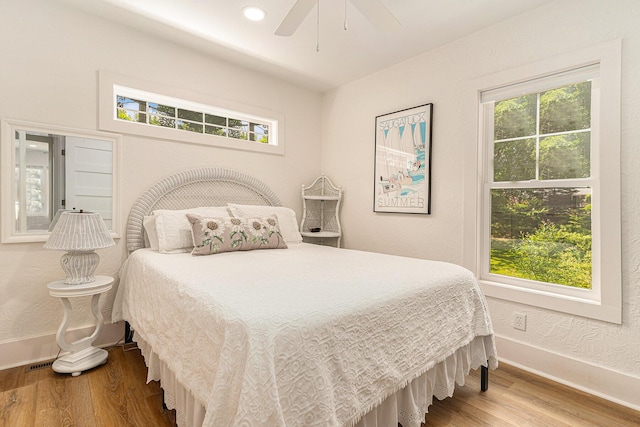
(254, 13)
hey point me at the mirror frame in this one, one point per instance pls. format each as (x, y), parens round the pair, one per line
(8, 127)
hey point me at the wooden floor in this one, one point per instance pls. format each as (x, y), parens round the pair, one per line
(116, 395)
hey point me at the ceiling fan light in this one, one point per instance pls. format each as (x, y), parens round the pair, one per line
(254, 13)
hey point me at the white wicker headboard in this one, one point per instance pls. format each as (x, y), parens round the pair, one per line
(194, 188)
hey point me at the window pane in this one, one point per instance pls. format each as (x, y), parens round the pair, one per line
(215, 120)
(566, 109)
(261, 133)
(232, 133)
(190, 115)
(215, 130)
(259, 137)
(542, 235)
(192, 127)
(162, 110)
(131, 109)
(238, 129)
(258, 128)
(131, 104)
(128, 115)
(514, 160)
(238, 124)
(515, 117)
(163, 121)
(565, 156)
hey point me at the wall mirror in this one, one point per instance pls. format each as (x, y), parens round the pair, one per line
(46, 169)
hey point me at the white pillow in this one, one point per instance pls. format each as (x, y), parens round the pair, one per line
(173, 229)
(286, 218)
(150, 233)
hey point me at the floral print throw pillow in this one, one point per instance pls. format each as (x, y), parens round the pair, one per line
(226, 234)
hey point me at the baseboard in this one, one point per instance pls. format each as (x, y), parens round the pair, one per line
(593, 379)
(44, 347)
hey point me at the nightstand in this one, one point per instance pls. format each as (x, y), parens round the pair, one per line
(82, 355)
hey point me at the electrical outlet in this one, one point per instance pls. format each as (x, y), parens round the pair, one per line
(520, 321)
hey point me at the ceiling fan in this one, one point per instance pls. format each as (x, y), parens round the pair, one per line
(373, 10)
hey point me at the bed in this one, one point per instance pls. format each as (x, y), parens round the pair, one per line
(301, 335)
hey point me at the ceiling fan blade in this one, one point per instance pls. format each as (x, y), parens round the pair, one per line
(294, 18)
(377, 14)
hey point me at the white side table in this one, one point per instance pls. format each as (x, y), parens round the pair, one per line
(82, 355)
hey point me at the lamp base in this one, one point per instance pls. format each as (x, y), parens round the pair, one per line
(79, 266)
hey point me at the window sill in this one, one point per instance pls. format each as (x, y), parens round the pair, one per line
(606, 309)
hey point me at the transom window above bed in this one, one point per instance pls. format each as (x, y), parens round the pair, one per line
(131, 106)
(197, 119)
(548, 212)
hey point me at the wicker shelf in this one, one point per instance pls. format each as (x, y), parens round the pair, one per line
(320, 234)
(321, 206)
(321, 197)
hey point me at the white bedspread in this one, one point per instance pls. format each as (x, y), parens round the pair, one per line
(306, 336)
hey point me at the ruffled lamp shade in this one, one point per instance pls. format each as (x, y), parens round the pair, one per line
(80, 234)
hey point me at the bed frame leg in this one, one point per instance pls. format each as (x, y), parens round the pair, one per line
(128, 333)
(164, 405)
(484, 378)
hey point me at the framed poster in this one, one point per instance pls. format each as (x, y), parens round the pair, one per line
(402, 170)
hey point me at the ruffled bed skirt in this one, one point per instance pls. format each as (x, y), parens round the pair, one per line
(407, 406)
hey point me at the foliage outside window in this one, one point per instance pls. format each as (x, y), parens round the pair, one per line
(540, 192)
(191, 120)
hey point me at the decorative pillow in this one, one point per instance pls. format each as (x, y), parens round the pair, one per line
(173, 228)
(213, 235)
(286, 218)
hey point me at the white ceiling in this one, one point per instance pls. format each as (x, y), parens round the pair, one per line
(219, 27)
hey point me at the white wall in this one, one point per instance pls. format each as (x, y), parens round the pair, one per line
(50, 55)
(606, 350)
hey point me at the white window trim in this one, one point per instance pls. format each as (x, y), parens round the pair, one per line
(110, 82)
(606, 306)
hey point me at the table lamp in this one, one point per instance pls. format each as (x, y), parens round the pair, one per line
(80, 234)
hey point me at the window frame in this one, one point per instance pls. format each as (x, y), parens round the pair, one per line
(604, 300)
(112, 85)
(538, 86)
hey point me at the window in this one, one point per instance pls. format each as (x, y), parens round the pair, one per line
(539, 182)
(136, 107)
(548, 211)
(156, 114)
